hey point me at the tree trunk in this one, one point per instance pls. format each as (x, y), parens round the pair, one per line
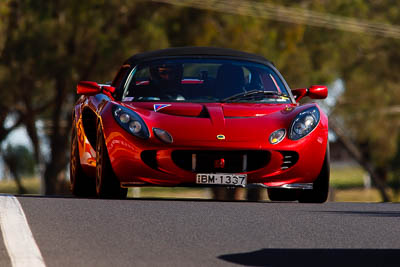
(56, 165)
(360, 158)
(11, 162)
(58, 139)
(21, 188)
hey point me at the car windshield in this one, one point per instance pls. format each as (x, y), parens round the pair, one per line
(205, 80)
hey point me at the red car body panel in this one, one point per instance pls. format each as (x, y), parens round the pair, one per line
(255, 121)
(245, 127)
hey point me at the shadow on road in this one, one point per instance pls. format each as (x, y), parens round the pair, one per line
(316, 257)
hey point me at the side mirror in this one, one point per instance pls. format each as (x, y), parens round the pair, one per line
(107, 89)
(318, 92)
(314, 92)
(299, 93)
(93, 88)
(88, 88)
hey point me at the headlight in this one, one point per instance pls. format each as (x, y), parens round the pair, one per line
(304, 123)
(135, 127)
(130, 121)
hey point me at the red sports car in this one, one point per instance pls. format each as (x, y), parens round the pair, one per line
(199, 116)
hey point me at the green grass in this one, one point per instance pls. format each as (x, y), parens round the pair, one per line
(345, 177)
(170, 192)
(32, 185)
(355, 195)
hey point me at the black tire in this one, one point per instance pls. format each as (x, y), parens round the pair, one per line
(320, 191)
(255, 193)
(282, 194)
(107, 184)
(81, 185)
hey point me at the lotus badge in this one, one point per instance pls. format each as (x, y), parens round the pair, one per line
(221, 137)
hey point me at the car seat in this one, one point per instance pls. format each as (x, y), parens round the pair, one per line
(229, 81)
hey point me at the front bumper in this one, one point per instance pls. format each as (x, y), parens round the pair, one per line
(137, 162)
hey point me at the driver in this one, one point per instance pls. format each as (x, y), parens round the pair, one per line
(166, 79)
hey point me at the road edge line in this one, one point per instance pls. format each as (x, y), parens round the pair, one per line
(18, 238)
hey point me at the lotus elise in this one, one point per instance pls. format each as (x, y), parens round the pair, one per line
(199, 116)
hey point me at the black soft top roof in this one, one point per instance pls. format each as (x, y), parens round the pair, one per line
(197, 52)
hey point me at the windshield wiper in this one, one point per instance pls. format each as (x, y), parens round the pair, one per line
(251, 94)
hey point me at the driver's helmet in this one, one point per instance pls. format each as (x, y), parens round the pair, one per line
(166, 73)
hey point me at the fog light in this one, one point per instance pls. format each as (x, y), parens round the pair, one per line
(163, 135)
(277, 136)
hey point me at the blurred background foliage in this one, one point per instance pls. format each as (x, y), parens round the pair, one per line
(46, 48)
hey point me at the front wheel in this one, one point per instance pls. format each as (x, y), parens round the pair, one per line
(81, 184)
(319, 193)
(107, 184)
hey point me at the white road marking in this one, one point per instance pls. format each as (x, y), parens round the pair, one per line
(17, 235)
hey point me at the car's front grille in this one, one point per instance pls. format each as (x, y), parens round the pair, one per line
(289, 159)
(221, 161)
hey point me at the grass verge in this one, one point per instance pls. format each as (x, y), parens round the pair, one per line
(347, 176)
(32, 186)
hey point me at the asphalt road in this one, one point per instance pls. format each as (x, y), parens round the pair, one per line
(149, 232)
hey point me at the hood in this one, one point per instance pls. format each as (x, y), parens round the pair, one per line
(229, 110)
(205, 121)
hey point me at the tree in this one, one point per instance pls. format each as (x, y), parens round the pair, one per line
(19, 161)
(50, 48)
(46, 49)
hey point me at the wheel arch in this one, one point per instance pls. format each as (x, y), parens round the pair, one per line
(89, 125)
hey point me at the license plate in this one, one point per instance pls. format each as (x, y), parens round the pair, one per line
(222, 179)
